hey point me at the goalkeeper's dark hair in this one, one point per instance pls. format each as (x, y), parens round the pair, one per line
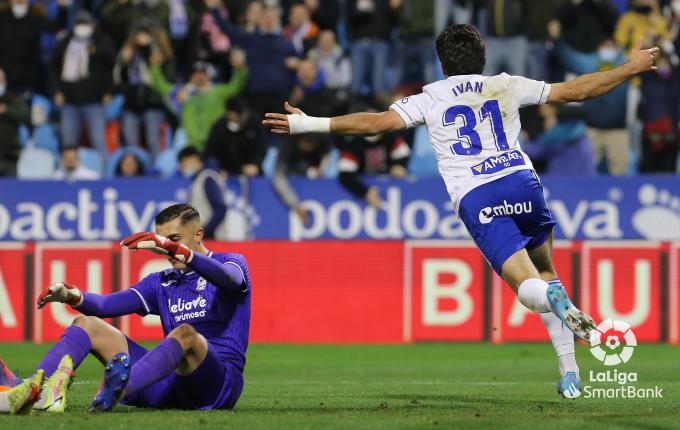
(461, 50)
(186, 213)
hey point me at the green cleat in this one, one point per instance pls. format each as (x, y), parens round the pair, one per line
(23, 396)
(53, 396)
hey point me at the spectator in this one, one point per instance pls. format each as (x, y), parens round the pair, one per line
(604, 115)
(300, 31)
(271, 58)
(376, 155)
(563, 147)
(70, 168)
(201, 103)
(304, 155)
(83, 63)
(13, 113)
(659, 111)
(252, 16)
(415, 48)
(325, 13)
(369, 25)
(586, 23)
(21, 25)
(311, 94)
(130, 166)
(507, 46)
(120, 17)
(236, 141)
(206, 194)
(642, 21)
(331, 61)
(538, 59)
(181, 27)
(143, 105)
(212, 45)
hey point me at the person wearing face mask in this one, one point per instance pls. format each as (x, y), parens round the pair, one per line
(207, 193)
(21, 26)
(199, 101)
(236, 142)
(605, 116)
(13, 112)
(132, 76)
(642, 21)
(660, 112)
(83, 63)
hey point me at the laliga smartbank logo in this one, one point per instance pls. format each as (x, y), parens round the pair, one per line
(613, 343)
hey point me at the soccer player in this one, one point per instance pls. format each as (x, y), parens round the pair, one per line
(204, 305)
(473, 125)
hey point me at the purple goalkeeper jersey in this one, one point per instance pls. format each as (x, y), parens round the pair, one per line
(221, 315)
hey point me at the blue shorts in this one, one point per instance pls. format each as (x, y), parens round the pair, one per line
(213, 385)
(506, 215)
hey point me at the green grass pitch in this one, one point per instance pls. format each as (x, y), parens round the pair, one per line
(432, 386)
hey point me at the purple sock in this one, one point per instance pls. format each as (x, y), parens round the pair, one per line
(154, 366)
(74, 342)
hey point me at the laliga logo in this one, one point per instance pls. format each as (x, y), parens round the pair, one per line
(612, 342)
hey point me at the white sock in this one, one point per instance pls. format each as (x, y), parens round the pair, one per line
(563, 341)
(532, 293)
(4, 401)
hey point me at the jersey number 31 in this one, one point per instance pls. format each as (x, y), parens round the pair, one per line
(468, 141)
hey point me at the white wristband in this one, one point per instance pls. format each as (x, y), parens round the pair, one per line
(300, 124)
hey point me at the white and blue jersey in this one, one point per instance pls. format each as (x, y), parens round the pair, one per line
(473, 125)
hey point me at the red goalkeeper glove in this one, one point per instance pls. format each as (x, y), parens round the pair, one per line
(60, 292)
(158, 244)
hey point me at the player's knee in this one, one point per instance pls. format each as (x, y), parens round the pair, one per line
(84, 322)
(185, 334)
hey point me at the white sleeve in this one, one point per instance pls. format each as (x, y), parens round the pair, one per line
(412, 109)
(528, 91)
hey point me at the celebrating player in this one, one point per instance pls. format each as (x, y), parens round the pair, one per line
(473, 125)
(204, 305)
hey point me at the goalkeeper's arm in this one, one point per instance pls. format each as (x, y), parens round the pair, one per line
(104, 306)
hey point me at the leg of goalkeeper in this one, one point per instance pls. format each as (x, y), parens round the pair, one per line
(86, 335)
(182, 351)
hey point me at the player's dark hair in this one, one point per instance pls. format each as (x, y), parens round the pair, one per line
(183, 211)
(461, 50)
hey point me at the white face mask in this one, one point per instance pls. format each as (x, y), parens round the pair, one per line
(233, 126)
(608, 55)
(3, 89)
(189, 173)
(83, 31)
(19, 10)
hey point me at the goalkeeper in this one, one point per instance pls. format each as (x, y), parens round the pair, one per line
(204, 306)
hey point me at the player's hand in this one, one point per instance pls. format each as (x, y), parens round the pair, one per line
(278, 122)
(642, 60)
(60, 292)
(158, 244)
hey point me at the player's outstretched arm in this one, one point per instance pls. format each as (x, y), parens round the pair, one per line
(103, 306)
(355, 124)
(595, 84)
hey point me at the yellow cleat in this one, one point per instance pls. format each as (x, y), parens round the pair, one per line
(53, 396)
(23, 396)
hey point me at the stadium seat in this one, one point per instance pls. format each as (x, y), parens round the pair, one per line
(114, 110)
(270, 161)
(166, 162)
(331, 171)
(35, 163)
(44, 137)
(141, 154)
(92, 159)
(180, 139)
(423, 161)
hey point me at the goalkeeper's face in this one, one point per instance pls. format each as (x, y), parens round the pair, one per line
(189, 234)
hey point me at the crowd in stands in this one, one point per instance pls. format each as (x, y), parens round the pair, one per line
(102, 88)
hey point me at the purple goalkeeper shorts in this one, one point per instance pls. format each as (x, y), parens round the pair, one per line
(213, 385)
